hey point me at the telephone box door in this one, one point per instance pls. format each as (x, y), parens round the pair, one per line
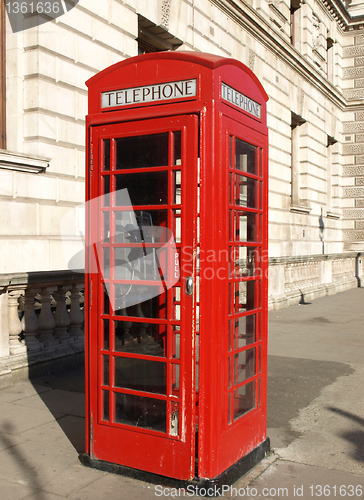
(142, 232)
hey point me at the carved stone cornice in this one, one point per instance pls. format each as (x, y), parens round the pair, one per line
(275, 41)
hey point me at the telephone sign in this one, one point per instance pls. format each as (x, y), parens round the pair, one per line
(176, 304)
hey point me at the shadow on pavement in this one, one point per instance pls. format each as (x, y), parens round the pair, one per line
(292, 384)
(66, 396)
(355, 437)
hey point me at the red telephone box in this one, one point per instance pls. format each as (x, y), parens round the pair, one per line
(176, 312)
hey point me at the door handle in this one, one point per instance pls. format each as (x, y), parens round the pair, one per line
(189, 285)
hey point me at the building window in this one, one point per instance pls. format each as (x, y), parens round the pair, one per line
(330, 59)
(296, 127)
(295, 22)
(153, 38)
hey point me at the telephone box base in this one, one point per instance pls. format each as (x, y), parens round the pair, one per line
(199, 486)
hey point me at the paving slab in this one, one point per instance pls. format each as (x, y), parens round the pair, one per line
(315, 419)
(284, 479)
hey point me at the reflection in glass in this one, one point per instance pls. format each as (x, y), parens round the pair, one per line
(176, 342)
(141, 338)
(140, 411)
(155, 307)
(244, 399)
(243, 331)
(177, 187)
(106, 273)
(147, 188)
(140, 375)
(245, 227)
(142, 151)
(244, 299)
(175, 379)
(243, 262)
(244, 365)
(245, 156)
(245, 189)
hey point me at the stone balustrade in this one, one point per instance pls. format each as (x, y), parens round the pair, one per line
(294, 280)
(41, 323)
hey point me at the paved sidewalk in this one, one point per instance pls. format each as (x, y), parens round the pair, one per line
(315, 419)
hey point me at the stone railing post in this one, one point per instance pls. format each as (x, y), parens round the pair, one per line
(61, 316)
(76, 313)
(30, 321)
(46, 318)
(16, 346)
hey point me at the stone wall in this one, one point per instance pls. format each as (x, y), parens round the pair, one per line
(299, 280)
(353, 144)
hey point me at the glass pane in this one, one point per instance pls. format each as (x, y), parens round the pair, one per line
(147, 188)
(177, 187)
(243, 331)
(231, 159)
(155, 307)
(244, 399)
(176, 342)
(141, 375)
(244, 299)
(245, 191)
(105, 405)
(106, 334)
(140, 338)
(106, 154)
(177, 148)
(106, 302)
(106, 369)
(245, 156)
(244, 365)
(177, 229)
(175, 379)
(106, 191)
(106, 273)
(140, 411)
(245, 227)
(142, 151)
(174, 430)
(243, 262)
(106, 227)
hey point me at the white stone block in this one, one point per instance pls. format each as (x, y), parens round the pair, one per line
(38, 124)
(17, 218)
(124, 18)
(79, 20)
(91, 54)
(47, 95)
(71, 191)
(6, 183)
(35, 186)
(97, 8)
(70, 132)
(72, 74)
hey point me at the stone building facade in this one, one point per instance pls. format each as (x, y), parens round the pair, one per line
(309, 56)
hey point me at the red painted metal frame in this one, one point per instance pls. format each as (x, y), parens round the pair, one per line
(220, 444)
